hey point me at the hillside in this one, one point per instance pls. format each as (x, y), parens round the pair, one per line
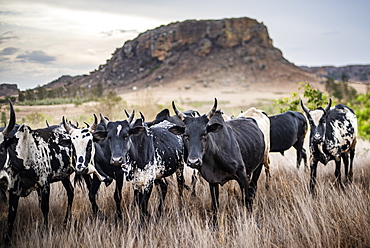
(355, 73)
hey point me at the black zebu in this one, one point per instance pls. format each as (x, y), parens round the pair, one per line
(223, 151)
(164, 115)
(33, 160)
(333, 136)
(286, 130)
(150, 153)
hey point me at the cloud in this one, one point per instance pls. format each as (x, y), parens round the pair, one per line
(36, 56)
(8, 13)
(7, 36)
(118, 31)
(9, 51)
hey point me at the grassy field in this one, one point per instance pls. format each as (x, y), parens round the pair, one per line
(285, 215)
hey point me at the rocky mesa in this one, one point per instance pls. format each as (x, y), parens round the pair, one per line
(235, 51)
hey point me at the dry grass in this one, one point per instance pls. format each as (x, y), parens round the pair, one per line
(285, 215)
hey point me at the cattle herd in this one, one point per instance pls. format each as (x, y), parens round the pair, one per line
(146, 152)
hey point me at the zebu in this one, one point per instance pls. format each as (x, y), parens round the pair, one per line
(333, 136)
(222, 151)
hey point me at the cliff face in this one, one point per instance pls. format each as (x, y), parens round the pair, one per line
(9, 90)
(207, 50)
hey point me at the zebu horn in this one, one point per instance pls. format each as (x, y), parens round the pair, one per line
(95, 124)
(213, 110)
(142, 116)
(305, 109)
(11, 123)
(131, 117)
(67, 127)
(127, 114)
(105, 121)
(178, 112)
(328, 107)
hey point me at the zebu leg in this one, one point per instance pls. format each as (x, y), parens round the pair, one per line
(346, 164)
(180, 184)
(163, 188)
(118, 194)
(351, 157)
(13, 206)
(92, 197)
(214, 187)
(338, 174)
(70, 194)
(44, 198)
(252, 189)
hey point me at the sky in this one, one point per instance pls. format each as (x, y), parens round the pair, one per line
(41, 40)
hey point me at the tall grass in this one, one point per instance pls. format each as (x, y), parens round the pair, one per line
(285, 215)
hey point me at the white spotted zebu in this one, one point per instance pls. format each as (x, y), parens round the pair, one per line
(333, 136)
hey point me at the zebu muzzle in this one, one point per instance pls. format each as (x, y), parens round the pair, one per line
(117, 161)
(317, 139)
(82, 170)
(194, 163)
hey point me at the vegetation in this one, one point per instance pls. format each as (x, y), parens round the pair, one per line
(339, 92)
(55, 101)
(285, 215)
(59, 95)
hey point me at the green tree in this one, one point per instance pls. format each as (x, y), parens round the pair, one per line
(41, 93)
(98, 90)
(3, 118)
(21, 96)
(30, 95)
(51, 93)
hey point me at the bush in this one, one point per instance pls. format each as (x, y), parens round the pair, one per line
(315, 98)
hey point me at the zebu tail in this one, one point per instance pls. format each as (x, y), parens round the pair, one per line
(79, 179)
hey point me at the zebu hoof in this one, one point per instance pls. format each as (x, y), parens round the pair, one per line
(108, 181)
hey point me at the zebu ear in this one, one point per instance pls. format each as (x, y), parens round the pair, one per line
(65, 142)
(99, 136)
(163, 115)
(214, 128)
(177, 130)
(305, 109)
(137, 127)
(328, 107)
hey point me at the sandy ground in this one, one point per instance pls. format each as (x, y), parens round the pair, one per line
(187, 95)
